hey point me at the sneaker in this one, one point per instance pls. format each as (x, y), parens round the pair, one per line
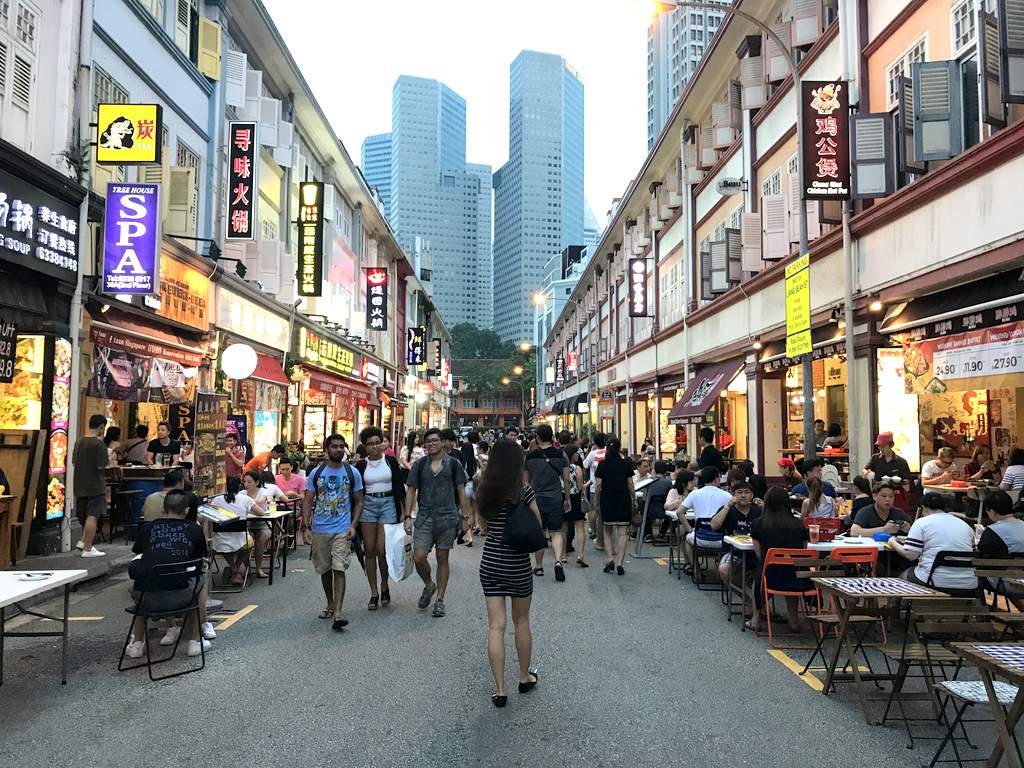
(136, 649)
(170, 636)
(79, 544)
(428, 592)
(207, 630)
(559, 572)
(93, 552)
(194, 647)
(438, 609)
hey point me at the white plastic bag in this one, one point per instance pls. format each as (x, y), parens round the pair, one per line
(398, 550)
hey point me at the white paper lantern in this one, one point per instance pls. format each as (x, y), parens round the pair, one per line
(238, 361)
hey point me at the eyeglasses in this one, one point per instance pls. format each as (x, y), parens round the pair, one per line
(375, 442)
(433, 440)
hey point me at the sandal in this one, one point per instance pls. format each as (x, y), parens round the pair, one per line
(372, 605)
(326, 613)
(260, 575)
(385, 597)
(538, 571)
(582, 563)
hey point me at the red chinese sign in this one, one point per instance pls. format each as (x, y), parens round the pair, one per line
(572, 360)
(826, 141)
(243, 188)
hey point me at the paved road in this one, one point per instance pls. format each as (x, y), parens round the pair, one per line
(638, 670)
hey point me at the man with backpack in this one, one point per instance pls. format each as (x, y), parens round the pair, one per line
(548, 469)
(331, 507)
(438, 483)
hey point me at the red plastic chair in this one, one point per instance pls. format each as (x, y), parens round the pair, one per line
(793, 558)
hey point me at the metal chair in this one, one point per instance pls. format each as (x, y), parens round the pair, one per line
(953, 559)
(787, 559)
(709, 555)
(654, 509)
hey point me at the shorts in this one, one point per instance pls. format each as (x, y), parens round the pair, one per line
(164, 600)
(379, 509)
(469, 490)
(552, 511)
(90, 506)
(331, 551)
(704, 543)
(428, 533)
(257, 525)
(575, 512)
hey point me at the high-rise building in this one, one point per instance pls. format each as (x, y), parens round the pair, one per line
(538, 193)
(676, 41)
(591, 230)
(375, 160)
(438, 198)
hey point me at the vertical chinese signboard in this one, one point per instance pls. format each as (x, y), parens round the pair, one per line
(243, 189)
(131, 239)
(376, 298)
(415, 346)
(638, 288)
(211, 423)
(826, 141)
(573, 361)
(435, 365)
(310, 270)
(58, 455)
(798, 307)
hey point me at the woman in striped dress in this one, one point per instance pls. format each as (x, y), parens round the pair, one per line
(505, 573)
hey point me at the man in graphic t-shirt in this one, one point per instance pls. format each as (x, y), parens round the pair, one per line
(331, 508)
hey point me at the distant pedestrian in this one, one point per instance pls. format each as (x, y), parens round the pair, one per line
(472, 467)
(411, 452)
(505, 573)
(548, 471)
(575, 519)
(593, 459)
(615, 496)
(234, 456)
(438, 484)
(90, 460)
(383, 500)
(332, 506)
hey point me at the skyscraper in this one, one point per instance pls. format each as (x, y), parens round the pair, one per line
(676, 41)
(591, 230)
(375, 160)
(436, 197)
(538, 193)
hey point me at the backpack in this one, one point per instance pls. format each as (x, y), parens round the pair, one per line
(558, 474)
(421, 463)
(315, 476)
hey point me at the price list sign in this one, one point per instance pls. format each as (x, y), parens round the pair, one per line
(976, 360)
(8, 343)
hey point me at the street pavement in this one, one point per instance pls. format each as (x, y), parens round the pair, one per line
(635, 670)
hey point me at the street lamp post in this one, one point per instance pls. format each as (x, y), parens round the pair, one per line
(807, 371)
(522, 396)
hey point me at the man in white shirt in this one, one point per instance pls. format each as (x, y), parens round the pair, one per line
(705, 503)
(934, 531)
(595, 457)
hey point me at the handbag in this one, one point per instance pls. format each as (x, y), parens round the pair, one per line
(523, 532)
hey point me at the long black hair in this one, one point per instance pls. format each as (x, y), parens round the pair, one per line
(234, 487)
(502, 480)
(613, 453)
(469, 459)
(777, 510)
(410, 444)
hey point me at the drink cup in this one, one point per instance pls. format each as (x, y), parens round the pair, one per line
(813, 532)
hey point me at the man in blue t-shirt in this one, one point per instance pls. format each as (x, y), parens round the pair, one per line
(331, 508)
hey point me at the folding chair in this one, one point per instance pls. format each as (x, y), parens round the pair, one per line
(675, 545)
(948, 558)
(998, 575)
(191, 571)
(654, 509)
(787, 559)
(705, 556)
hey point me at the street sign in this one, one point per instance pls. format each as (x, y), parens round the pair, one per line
(798, 307)
(728, 187)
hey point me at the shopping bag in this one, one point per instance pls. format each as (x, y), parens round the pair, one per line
(398, 550)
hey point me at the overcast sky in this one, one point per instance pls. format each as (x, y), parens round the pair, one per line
(351, 52)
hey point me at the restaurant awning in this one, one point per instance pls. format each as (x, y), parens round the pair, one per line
(268, 368)
(704, 389)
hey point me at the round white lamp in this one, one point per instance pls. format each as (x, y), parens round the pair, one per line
(238, 361)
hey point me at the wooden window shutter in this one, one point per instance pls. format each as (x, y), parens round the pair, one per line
(734, 256)
(776, 63)
(830, 211)
(182, 202)
(1011, 50)
(905, 151)
(268, 271)
(721, 123)
(183, 26)
(807, 18)
(774, 228)
(719, 258)
(936, 110)
(750, 242)
(234, 64)
(270, 117)
(992, 110)
(209, 48)
(706, 154)
(705, 276)
(870, 155)
(753, 88)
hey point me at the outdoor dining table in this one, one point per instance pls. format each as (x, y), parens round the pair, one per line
(850, 592)
(963, 489)
(740, 544)
(1004, 660)
(841, 542)
(18, 586)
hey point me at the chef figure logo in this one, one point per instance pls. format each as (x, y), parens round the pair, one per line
(825, 100)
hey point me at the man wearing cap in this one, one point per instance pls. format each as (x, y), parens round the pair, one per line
(789, 473)
(934, 531)
(887, 463)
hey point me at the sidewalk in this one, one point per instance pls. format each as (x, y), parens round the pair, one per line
(118, 555)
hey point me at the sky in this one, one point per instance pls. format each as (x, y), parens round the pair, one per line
(351, 52)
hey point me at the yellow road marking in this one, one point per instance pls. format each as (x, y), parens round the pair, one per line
(661, 561)
(796, 669)
(85, 618)
(236, 616)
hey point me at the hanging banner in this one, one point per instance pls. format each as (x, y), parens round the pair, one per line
(237, 424)
(415, 345)
(798, 307)
(435, 366)
(310, 269)
(637, 276)
(446, 374)
(573, 362)
(826, 146)
(131, 239)
(8, 343)
(243, 183)
(130, 134)
(982, 359)
(559, 370)
(181, 418)
(376, 298)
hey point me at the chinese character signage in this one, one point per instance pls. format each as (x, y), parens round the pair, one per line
(798, 307)
(327, 354)
(184, 294)
(435, 367)
(376, 298)
(8, 340)
(573, 362)
(37, 231)
(243, 189)
(310, 273)
(559, 370)
(131, 239)
(446, 374)
(416, 345)
(638, 288)
(826, 141)
(130, 134)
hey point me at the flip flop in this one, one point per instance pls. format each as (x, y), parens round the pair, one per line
(538, 571)
(326, 613)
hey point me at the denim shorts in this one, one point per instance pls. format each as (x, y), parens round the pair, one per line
(379, 509)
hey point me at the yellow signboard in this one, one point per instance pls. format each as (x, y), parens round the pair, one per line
(184, 294)
(129, 134)
(798, 307)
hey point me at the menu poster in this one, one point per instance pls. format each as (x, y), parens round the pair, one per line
(58, 453)
(211, 424)
(8, 339)
(982, 359)
(238, 425)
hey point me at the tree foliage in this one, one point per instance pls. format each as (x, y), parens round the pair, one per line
(469, 342)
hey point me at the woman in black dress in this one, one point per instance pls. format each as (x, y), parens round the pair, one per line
(615, 496)
(505, 573)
